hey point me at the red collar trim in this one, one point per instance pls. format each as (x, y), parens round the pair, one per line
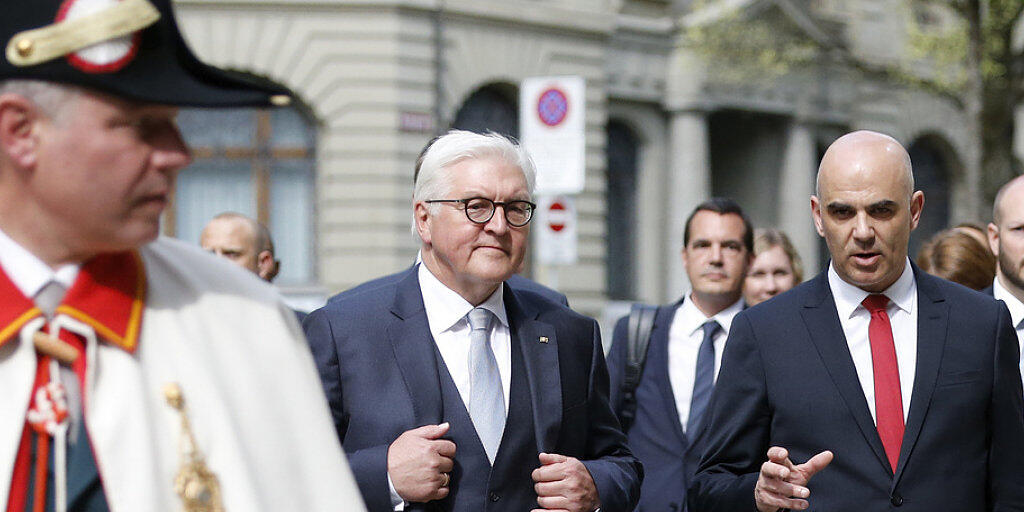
(15, 309)
(108, 295)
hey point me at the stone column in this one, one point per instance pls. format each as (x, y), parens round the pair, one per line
(689, 183)
(799, 168)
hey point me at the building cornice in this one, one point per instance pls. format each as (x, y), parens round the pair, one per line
(598, 20)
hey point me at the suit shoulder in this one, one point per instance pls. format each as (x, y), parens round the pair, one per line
(549, 309)
(783, 304)
(519, 282)
(370, 286)
(371, 296)
(960, 295)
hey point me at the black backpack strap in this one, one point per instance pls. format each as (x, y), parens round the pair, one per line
(638, 338)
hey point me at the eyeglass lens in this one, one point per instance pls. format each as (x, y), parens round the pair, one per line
(517, 213)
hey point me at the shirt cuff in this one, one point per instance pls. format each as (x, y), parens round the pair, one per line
(396, 501)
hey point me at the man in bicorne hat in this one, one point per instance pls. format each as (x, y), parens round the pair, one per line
(135, 374)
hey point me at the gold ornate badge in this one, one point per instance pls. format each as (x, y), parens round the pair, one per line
(195, 484)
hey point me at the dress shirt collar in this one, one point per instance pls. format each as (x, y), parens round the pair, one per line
(1014, 304)
(691, 318)
(848, 297)
(28, 272)
(445, 308)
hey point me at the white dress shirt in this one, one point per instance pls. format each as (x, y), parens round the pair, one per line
(31, 276)
(1016, 308)
(28, 272)
(446, 316)
(684, 339)
(856, 319)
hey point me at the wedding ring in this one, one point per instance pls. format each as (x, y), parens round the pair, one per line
(447, 479)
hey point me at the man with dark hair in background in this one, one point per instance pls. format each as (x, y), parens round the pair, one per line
(242, 240)
(686, 343)
(246, 242)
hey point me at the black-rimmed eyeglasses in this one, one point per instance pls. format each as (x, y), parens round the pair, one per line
(480, 210)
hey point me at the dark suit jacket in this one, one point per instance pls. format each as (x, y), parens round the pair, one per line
(377, 360)
(516, 282)
(656, 437)
(787, 379)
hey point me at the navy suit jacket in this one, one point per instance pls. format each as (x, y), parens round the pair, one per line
(377, 360)
(670, 456)
(517, 282)
(787, 379)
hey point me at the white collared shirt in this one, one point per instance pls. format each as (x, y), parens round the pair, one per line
(28, 272)
(30, 275)
(446, 315)
(684, 339)
(856, 319)
(1016, 308)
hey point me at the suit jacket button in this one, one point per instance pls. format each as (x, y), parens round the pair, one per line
(896, 500)
(494, 496)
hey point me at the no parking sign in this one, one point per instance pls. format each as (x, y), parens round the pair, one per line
(551, 123)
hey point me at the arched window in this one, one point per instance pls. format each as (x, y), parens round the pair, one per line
(931, 176)
(620, 213)
(490, 108)
(258, 162)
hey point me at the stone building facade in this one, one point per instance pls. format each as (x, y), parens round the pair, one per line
(377, 79)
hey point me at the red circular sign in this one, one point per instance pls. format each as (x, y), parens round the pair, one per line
(558, 216)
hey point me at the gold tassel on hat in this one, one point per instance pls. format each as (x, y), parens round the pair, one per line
(195, 484)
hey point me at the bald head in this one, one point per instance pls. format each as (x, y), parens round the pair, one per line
(1006, 236)
(1013, 189)
(865, 153)
(242, 240)
(865, 208)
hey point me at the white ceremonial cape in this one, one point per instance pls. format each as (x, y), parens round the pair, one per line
(170, 313)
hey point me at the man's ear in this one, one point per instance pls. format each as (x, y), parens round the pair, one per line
(421, 214)
(916, 207)
(266, 266)
(816, 215)
(18, 120)
(993, 238)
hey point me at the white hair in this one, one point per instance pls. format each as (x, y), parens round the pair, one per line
(50, 97)
(433, 178)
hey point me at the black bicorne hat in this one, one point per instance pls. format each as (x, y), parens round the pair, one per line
(128, 48)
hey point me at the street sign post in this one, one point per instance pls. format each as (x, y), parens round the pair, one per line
(556, 237)
(551, 126)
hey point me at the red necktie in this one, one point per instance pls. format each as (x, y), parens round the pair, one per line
(888, 398)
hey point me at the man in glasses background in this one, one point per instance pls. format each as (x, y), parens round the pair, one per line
(448, 386)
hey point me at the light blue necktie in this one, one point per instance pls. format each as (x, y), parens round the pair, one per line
(486, 401)
(704, 380)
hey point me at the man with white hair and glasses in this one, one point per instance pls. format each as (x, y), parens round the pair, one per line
(451, 390)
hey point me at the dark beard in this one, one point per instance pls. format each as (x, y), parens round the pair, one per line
(1011, 272)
